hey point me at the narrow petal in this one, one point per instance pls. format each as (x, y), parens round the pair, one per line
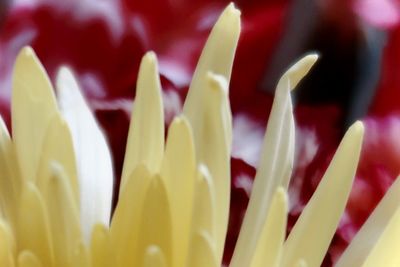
(204, 210)
(10, 178)
(154, 258)
(33, 106)
(58, 147)
(313, 231)
(155, 228)
(127, 217)
(63, 214)
(101, 247)
(386, 251)
(145, 143)
(179, 173)
(81, 256)
(369, 234)
(7, 245)
(32, 214)
(28, 259)
(269, 248)
(95, 174)
(217, 57)
(203, 252)
(213, 137)
(276, 162)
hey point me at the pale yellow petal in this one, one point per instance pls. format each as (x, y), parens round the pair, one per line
(81, 256)
(179, 172)
(10, 178)
(58, 147)
(27, 259)
(369, 234)
(203, 251)
(101, 249)
(313, 231)
(33, 106)
(127, 217)
(155, 228)
(7, 245)
(212, 135)
(63, 214)
(154, 257)
(276, 162)
(269, 247)
(217, 57)
(386, 250)
(212, 125)
(32, 214)
(145, 143)
(204, 209)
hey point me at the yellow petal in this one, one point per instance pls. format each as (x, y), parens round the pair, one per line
(217, 57)
(313, 231)
(27, 259)
(58, 147)
(101, 248)
(155, 228)
(154, 257)
(7, 245)
(10, 178)
(369, 234)
(386, 250)
(204, 204)
(127, 217)
(276, 162)
(178, 172)
(145, 143)
(32, 214)
(33, 106)
(63, 215)
(203, 252)
(213, 138)
(269, 247)
(81, 256)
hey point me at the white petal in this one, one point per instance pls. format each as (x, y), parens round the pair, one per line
(95, 174)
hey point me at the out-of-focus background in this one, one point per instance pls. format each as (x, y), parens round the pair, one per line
(357, 77)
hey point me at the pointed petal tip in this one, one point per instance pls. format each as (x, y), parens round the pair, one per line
(300, 69)
(281, 195)
(150, 57)
(231, 9)
(358, 126)
(217, 82)
(26, 51)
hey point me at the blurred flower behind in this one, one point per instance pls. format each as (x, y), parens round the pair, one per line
(103, 41)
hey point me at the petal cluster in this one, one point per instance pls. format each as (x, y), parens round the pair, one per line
(56, 177)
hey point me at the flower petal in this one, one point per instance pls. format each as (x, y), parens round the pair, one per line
(369, 234)
(276, 162)
(145, 143)
(269, 248)
(179, 173)
(95, 173)
(33, 106)
(313, 231)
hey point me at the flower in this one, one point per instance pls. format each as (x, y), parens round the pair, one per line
(174, 197)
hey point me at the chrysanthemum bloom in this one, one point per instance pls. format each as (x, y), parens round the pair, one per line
(56, 178)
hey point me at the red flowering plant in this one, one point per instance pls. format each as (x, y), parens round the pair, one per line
(104, 41)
